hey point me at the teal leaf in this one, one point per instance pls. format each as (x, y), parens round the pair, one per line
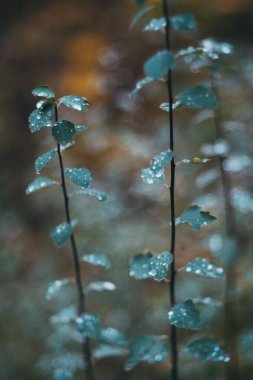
(63, 131)
(208, 349)
(198, 97)
(43, 92)
(79, 176)
(155, 172)
(104, 351)
(185, 22)
(65, 315)
(78, 103)
(185, 315)
(43, 160)
(61, 233)
(89, 325)
(159, 64)
(158, 265)
(39, 183)
(97, 259)
(205, 268)
(81, 128)
(139, 266)
(112, 336)
(100, 286)
(41, 118)
(149, 349)
(196, 218)
(99, 195)
(177, 105)
(55, 287)
(155, 24)
(142, 12)
(139, 85)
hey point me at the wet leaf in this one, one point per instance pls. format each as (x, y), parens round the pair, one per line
(177, 105)
(39, 183)
(77, 103)
(81, 128)
(184, 22)
(196, 218)
(100, 286)
(205, 268)
(155, 24)
(65, 315)
(44, 159)
(63, 131)
(158, 265)
(43, 92)
(149, 349)
(185, 315)
(99, 195)
(158, 65)
(79, 176)
(208, 349)
(97, 259)
(195, 161)
(198, 97)
(104, 351)
(55, 287)
(61, 233)
(41, 118)
(89, 325)
(155, 172)
(139, 85)
(142, 12)
(112, 336)
(139, 266)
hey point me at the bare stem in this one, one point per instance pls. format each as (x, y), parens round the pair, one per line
(89, 375)
(173, 335)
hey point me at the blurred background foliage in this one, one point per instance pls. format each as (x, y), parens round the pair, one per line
(86, 48)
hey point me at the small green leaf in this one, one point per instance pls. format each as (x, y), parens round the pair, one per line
(63, 131)
(43, 92)
(112, 336)
(78, 103)
(140, 14)
(159, 64)
(158, 265)
(208, 349)
(79, 176)
(100, 286)
(141, 83)
(185, 315)
(195, 161)
(39, 183)
(100, 195)
(149, 349)
(155, 172)
(205, 268)
(196, 218)
(97, 259)
(41, 118)
(55, 287)
(155, 24)
(43, 160)
(177, 105)
(185, 22)
(104, 351)
(89, 325)
(198, 97)
(61, 234)
(139, 266)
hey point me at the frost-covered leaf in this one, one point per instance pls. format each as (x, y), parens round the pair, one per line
(184, 21)
(149, 349)
(158, 265)
(97, 259)
(141, 83)
(112, 336)
(61, 233)
(177, 105)
(55, 287)
(208, 349)
(100, 286)
(138, 16)
(104, 351)
(43, 92)
(99, 195)
(196, 218)
(155, 24)
(155, 172)
(195, 160)
(65, 315)
(78, 103)
(198, 97)
(39, 183)
(79, 176)
(63, 131)
(44, 159)
(40, 118)
(89, 325)
(205, 268)
(139, 266)
(158, 65)
(185, 315)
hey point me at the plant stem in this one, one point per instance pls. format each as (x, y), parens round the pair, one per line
(173, 335)
(230, 315)
(78, 277)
